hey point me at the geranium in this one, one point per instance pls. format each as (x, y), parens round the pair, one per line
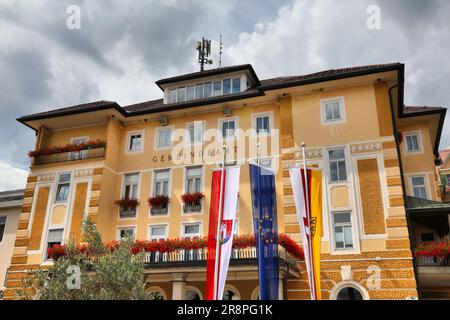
(70, 147)
(127, 203)
(433, 249)
(192, 198)
(56, 251)
(158, 201)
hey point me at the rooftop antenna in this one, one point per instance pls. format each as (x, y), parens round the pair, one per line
(220, 52)
(204, 50)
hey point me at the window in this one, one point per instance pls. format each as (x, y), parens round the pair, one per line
(190, 93)
(125, 233)
(342, 230)
(227, 86)
(262, 124)
(130, 189)
(78, 155)
(164, 136)
(412, 142)
(181, 94)
(54, 237)
(228, 128)
(161, 184)
(134, 142)
(349, 293)
(207, 90)
(62, 191)
(332, 110)
(193, 180)
(419, 187)
(338, 170)
(236, 225)
(427, 237)
(195, 131)
(236, 84)
(199, 91)
(2, 227)
(157, 233)
(191, 230)
(173, 96)
(217, 88)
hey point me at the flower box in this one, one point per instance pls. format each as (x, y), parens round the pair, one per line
(192, 198)
(126, 203)
(70, 147)
(57, 251)
(160, 201)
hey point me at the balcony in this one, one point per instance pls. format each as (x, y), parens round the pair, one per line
(127, 212)
(88, 154)
(159, 210)
(425, 261)
(192, 207)
(198, 257)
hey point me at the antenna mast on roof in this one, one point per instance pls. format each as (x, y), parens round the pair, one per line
(220, 52)
(204, 50)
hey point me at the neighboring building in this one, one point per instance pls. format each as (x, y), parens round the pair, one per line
(374, 152)
(444, 174)
(10, 206)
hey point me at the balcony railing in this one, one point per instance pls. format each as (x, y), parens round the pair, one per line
(198, 255)
(95, 153)
(159, 211)
(192, 207)
(433, 261)
(127, 213)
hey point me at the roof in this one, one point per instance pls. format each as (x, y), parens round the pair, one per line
(157, 105)
(208, 73)
(414, 203)
(408, 110)
(79, 108)
(11, 198)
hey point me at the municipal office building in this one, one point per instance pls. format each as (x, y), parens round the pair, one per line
(378, 156)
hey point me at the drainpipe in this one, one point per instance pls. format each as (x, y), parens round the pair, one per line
(402, 177)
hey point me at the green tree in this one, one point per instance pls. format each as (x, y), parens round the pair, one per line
(103, 273)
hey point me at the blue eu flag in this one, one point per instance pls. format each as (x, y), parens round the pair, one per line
(262, 181)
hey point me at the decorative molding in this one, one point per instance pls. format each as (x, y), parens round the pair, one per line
(365, 147)
(315, 153)
(83, 173)
(48, 177)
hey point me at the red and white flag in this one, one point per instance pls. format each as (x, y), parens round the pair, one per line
(220, 233)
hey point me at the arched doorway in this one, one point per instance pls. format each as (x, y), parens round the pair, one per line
(231, 293)
(349, 290)
(156, 293)
(192, 293)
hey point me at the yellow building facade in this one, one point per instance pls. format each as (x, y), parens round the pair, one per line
(374, 152)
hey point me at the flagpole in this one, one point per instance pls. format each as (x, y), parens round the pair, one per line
(219, 216)
(311, 267)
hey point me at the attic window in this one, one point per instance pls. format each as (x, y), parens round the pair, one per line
(204, 90)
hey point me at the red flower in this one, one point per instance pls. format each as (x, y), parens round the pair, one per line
(433, 249)
(158, 201)
(127, 203)
(192, 198)
(56, 251)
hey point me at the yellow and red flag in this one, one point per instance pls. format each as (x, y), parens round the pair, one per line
(307, 191)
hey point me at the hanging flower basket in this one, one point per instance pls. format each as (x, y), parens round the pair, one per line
(192, 198)
(160, 201)
(127, 203)
(70, 147)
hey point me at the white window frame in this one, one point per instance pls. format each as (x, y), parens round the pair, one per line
(153, 225)
(122, 194)
(188, 140)
(257, 115)
(157, 131)
(333, 233)
(426, 184)
(202, 177)
(4, 229)
(187, 223)
(46, 247)
(119, 228)
(346, 159)
(323, 103)
(128, 141)
(55, 202)
(419, 142)
(236, 127)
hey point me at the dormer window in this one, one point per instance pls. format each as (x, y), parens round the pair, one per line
(204, 90)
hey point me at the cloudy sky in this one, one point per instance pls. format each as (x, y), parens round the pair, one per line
(124, 46)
